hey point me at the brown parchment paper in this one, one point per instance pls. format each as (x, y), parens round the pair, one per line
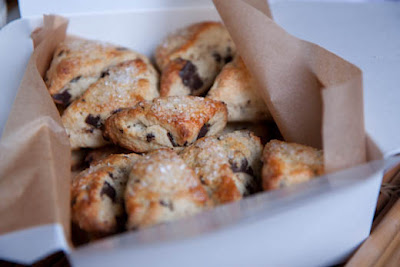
(34, 149)
(314, 96)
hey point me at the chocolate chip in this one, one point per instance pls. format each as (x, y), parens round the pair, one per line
(60, 53)
(109, 191)
(217, 57)
(116, 110)
(150, 137)
(171, 138)
(121, 131)
(203, 131)
(186, 143)
(136, 181)
(167, 204)
(228, 59)
(74, 80)
(189, 76)
(121, 48)
(104, 74)
(83, 100)
(93, 120)
(62, 98)
(111, 175)
(202, 180)
(242, 168)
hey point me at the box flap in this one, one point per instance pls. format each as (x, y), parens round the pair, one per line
(30, 8)
(367, 35)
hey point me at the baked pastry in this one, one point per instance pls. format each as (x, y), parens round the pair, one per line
(191, 58)
(166, 122)
(97, 194)
(77, 63)
(123, 86)
(161, 188)
(286, 164)
(228, 165)
(98, 154)
(237, 89)
(266, 130)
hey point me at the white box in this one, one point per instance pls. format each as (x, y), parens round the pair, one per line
(317, 223)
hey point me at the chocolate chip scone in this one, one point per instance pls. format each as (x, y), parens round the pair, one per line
(95, 155)
(162, 188)
(286, 164)
(228, 166)
(235, 87)
(191, 58)
(166, 122)
(122, 86)
(97, 194)
(77, 63)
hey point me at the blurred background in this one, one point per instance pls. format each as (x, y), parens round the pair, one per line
(9, 8)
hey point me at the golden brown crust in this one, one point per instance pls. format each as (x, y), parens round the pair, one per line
(235, 87)
(191, 58)
(228, 166)
(181, 41)
(166, 122)
(124, 85)
(97, 194)
(77, 63)
(286, 164)
(162, 188)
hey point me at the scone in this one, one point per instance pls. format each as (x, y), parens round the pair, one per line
(237, 89)
(162, 188)
(191, 58)
(77, 63)
(166, 122)
(266, 130)
(228, 165)
(94, 156)
(97, 194)
(123, 86)
(286, 164)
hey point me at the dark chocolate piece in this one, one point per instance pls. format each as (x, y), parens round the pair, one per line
(150, 137)
(93, 120)
(171, 138)
(203, 131)
(62, 98)
(104, 74)
(109, 191)
(189, 76)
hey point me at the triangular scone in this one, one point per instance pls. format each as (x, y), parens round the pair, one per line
(162, 188)
(168, 122)
(228, 166)
(77, 63)
(235, 87)
(191, 58)
(97, 194)
(122, 86)
(286, 164)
